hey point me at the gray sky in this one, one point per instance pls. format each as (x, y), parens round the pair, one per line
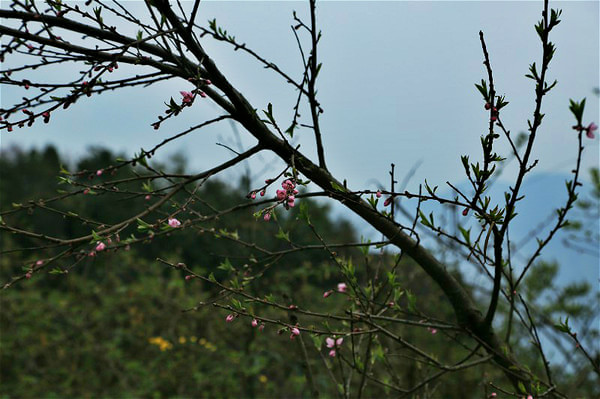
(397, 85)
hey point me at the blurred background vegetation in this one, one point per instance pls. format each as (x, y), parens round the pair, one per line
(116, 325)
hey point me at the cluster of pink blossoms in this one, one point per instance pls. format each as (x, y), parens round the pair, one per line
(188, 97)
(260, 326)
(333, 344)
(287, 195)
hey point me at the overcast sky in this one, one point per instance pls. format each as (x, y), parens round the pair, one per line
(397, 85)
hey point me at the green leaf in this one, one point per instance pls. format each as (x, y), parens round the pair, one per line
(337, 187)
(226, 265)
(211, 277)
(283, 235)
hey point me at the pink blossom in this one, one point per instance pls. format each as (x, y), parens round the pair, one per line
(28, 275)
(253, 195)
(280, 194)
(254, 323)
(290, 201)
(39, 263)
(334, 343)
(99, 172)
(189, 277)
(86, 191)
(327, 293)
(433, 331)
(387, 201)
(101, 246)
(378, 194)
(332, 353)
(229, 318)
(187, 97)
(295, 332)
(261, 327)
(342, 287)
(174, 223)
(92, 254)
(202, 94)
(207, 82)
(147, 197)
(267, 216)
(262, 193)
(288, 185)
(589, 131)
(529, 397)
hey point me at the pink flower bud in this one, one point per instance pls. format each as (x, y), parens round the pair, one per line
(28, 275)
(187, 97)
(254, 323)
(267, 216)
(433, 331)
(229, 318)
(174, 223)
(493, 395)
(101, 246)
(295, 333)
(189, 277)
(261, 327)
(332, 353)
(86, 191)
(465, 212)
(147, 197)
(207, 82)
(387, 201)
(487, 106)
(342, 287)
(378, 194)
(92, 254)
(99, 172)
(253, 195)
(589, 131)
(39, 263)
(327, 293)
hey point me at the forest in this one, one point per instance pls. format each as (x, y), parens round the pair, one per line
(123, 325)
